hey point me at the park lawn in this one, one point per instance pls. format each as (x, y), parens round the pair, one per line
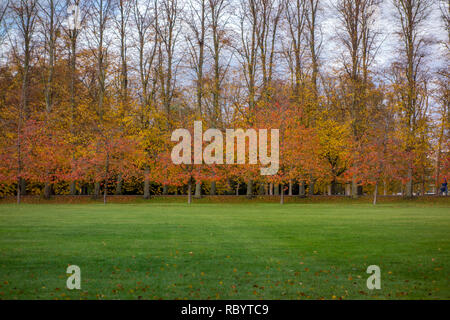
(225, 251)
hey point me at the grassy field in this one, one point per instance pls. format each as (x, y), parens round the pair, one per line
(225, 251)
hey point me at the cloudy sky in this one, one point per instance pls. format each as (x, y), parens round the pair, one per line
(386, 23)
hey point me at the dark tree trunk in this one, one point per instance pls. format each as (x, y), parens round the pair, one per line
(409, 183)
(47, 190)
(301, 189)
(97, 190)
(354, 188)
(146, 183)
(261, 189)
(18, 192)
(249, 188)
(23, 187)
(311, 188)
(119, 185)
(73, 188)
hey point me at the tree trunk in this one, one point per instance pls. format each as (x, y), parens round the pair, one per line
(348, 191)
(212, 191)
(271, 189)
(229, 186)
(409, 186)
(384, 188)
(23, 187)
(311, 188)
(354, 188)
(146, 183)
(375, 192)
(249, 188)
(119, 185)
(104, 194)
(329, 189)
(261, 189)
(237, 189)
(47, 190)
(18, 192)
(198, 190)
(165, 189)
(282, 194)
(96, 190)
(301, 188)
(276, 189)
(73, 188)
(290, 187)
(189, 192)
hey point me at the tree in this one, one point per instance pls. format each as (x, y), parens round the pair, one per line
(24, 15)
(411, 16)
(145, 19)
(358, 39)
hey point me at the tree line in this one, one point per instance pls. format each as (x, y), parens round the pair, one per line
(90, 108)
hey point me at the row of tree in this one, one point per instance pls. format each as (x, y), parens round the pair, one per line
(90, 108)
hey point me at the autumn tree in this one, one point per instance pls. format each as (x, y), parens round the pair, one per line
(411, 16)
(24, 14)
(358, 38)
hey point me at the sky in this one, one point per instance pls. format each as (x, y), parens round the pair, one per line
(387, 24)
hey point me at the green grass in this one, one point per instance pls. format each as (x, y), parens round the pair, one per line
(225, 251)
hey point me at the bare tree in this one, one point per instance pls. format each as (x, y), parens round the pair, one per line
(4, 5)
(269, 13)
(146, 40)
(196, 41)
(296, 16)
(122, 23)
(314, 42)
(248, 51)
(217, 22)
(445, 14)
(168, 30)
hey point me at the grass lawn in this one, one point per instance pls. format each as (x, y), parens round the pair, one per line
(225, 251)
